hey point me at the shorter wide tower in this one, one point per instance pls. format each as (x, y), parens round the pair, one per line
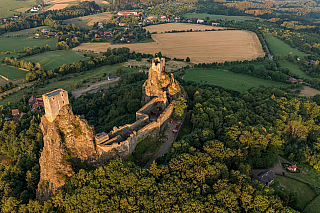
(54, 101)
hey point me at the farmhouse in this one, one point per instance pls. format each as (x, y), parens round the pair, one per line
(292, 168)
(215, 24)
(266, 178)
(126, 14)
(293, 80)
(15, 112)
(200, 21)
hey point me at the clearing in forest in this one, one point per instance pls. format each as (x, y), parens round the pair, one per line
(281, 48)
(229, 80)
(309, 92)
(161, 28)
(88, 21)
(287, 185)
(200, 47)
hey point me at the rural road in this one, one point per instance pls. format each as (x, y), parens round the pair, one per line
(166, 146)
(78, 93)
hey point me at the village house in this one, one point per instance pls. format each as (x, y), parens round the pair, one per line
(200, 21)
(44, 31)
(100, 25)
(292, 168)
(266, 178)
(35, 103)
(215, 24)
(126, 14)
(14, 18)
(15, 112)
(110, 78)
(122, 24)
(293, 80)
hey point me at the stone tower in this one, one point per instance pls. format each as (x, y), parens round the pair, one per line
(53, 102)
(158, 66)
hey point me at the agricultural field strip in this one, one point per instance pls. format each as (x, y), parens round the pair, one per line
(228, 80)
(203, 47)
(178, 27)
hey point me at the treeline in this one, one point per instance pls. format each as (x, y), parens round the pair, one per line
(31, 66)
(83, 9)
(112, 56)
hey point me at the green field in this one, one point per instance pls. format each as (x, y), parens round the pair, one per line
(280, 48)
(222, 17)
(229, 80)
(304, 193)
(307, 174)
(55, 59)
(17, 44)
(26, 32)
(11, 72)
(73, 79)
(8, 6)
(3, 82)
(313, 206)
(295, 69)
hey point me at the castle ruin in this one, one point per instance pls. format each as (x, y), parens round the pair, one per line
(53, 102)
(68, 136)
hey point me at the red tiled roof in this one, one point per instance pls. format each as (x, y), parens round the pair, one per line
(15, 111)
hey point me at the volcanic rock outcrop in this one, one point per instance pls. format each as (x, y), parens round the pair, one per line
(68, 141)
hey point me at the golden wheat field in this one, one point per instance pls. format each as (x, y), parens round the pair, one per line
(200, 47)
(178, 27)
(58, 6)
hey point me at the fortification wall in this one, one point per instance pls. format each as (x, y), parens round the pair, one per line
(165, 115)
(146, 109)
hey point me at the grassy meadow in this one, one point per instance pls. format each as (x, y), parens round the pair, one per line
(223, 17)
(313, 206)
(54, 59)
(304, 193)
(77, 79)
(3, 82)
(26, 32)
(11, 7)
(280, 48)
(17, 44)
(295, 69)
(12, 73)
(228, 80)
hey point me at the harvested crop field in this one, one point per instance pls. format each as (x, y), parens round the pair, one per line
(178, 27)
(200, 47)
(309, 92)
(87, 21)
(58, 6)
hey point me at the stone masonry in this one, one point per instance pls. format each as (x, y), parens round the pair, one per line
(69, 140)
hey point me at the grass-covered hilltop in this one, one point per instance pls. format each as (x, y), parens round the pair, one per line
(159, 106)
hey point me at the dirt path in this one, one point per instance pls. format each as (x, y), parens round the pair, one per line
(78, 93)
(166, 146)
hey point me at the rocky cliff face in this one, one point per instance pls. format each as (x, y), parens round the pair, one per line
(68, 141)
(164, 88)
